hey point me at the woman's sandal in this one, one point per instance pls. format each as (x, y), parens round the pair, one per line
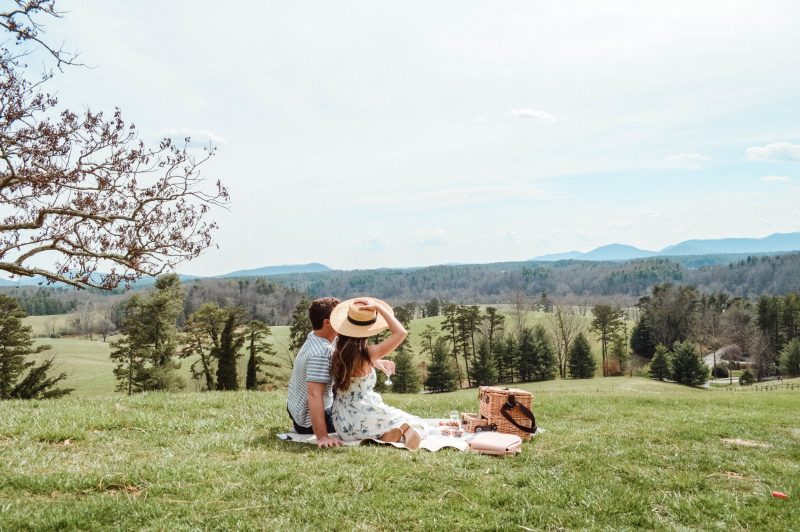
(394, 435)
(412, 437)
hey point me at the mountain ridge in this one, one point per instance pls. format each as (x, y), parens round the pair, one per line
(774, 243)
(263, 271)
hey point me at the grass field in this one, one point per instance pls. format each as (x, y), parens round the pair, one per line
(89, 368)
(617, 453)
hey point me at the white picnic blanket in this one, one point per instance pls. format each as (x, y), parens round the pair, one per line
(433, 442)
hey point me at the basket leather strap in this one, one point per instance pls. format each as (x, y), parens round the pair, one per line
(513, 403)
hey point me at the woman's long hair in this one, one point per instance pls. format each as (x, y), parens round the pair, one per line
(348, 358)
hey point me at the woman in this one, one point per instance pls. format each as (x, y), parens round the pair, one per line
(358, 411)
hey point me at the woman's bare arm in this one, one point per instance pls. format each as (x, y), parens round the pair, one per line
(394, 340)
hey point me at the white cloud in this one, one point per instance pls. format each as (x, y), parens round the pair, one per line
(543, 117)
(481, 120)
(648, 213)
(198, 136)
(777, 151)
(776, 179)
(372, 243)
(621, 223)
(690, 160)
(463, 195)
(428, 237)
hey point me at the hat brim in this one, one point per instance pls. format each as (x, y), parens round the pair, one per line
(343, 326)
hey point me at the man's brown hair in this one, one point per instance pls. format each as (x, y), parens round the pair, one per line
(320, 310)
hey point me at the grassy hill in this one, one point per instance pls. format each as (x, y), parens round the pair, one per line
(617, 453)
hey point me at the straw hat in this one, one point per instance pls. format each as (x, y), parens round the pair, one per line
(347, 318)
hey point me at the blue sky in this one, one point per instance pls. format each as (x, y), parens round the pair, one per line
(368, 134)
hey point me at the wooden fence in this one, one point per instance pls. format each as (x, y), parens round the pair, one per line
(766, 387)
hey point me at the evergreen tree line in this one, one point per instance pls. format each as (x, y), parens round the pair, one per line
(473, 348)
(147, 356)
(44, 301)
(732, 329)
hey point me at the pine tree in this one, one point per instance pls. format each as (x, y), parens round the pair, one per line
(505, 357)
(607, 321)
(163, 308)
(299, 327)
(261, 354)
(145, 353)
(451, 329)
(467, 319)
(131, 365)
(660, 365)
(406, 378)
(16, 346)
(642, 337)
(790, 359)
(582, 364)
(431, 308)
(620, 353)
(746, 378)
(526, 354)
(545, 364)
(441, 372)
(484, 370)
(493, 328)
(230, 343)
(687, 366)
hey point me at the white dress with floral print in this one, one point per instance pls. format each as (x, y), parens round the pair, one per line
(360, 412)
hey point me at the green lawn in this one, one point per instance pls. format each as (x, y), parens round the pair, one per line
(44, 325)
(617, 453)
(89, 368)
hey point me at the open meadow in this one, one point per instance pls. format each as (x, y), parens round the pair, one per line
(90, 370)
(616, 453)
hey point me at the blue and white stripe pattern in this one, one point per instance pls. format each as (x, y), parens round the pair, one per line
(312, 364)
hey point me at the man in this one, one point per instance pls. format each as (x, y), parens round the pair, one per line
(310, 397)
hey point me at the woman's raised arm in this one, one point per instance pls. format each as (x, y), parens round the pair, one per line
(398, 332)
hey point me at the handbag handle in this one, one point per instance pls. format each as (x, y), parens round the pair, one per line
(509, 405)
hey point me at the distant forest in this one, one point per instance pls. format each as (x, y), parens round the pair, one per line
(272, 299)
(563, 281)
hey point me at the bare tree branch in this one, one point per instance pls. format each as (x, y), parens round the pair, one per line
(83, 187)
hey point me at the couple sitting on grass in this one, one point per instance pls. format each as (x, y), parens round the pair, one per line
(333, 378)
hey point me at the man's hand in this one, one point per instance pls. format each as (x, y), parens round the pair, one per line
(329, 442)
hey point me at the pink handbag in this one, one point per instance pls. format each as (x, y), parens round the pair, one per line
(496, 443)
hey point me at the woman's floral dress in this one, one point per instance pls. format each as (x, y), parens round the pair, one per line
(360, 412)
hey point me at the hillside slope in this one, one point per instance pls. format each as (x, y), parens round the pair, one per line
(616, 454)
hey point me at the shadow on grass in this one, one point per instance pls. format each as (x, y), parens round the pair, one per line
(270, 440)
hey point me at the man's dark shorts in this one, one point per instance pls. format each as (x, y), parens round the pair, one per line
(309, 430)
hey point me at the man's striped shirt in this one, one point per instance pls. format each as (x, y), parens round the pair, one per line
(312, 364)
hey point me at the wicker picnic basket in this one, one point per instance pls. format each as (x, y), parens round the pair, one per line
(475, 423)
(509, 409)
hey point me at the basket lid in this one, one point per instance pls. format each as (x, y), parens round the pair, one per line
(503, 390)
